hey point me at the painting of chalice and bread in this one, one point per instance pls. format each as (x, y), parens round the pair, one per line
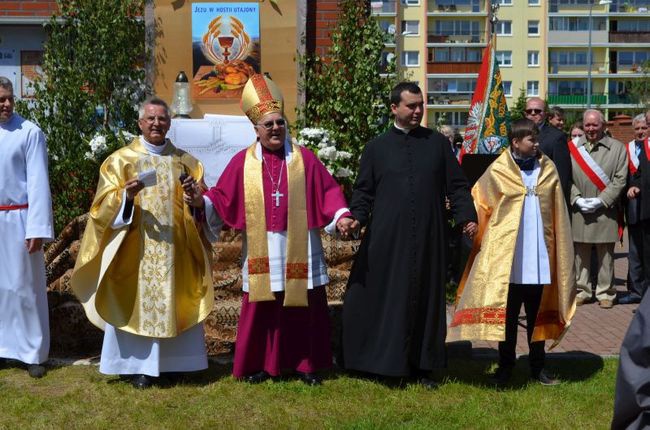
(225, 47)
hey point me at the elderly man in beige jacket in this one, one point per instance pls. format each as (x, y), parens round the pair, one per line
(599, 167)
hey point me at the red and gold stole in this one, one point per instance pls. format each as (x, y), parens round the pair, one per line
(259, 280)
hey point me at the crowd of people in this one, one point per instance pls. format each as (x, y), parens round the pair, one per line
(542, 217)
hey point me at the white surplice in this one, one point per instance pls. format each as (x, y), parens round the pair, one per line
(24, 323)
(126, 353)
(530, 264)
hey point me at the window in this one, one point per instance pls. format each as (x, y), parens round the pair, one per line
(505, 2)
(504, 58)
(567, 88)
(532, 88)
(411, 2)
(574, 23)
(533, 2)
(410, 28)
(633, 26)
(461, 55)
(533, 28)
(507, 88)
(453, 118)
(504, 28)
(411, 58)
(533, 58)
(632, 58)
(569, 58)
(457, 28)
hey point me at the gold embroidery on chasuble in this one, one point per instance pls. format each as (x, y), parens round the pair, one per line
(155, 301)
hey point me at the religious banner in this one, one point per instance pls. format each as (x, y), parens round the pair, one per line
(489, 119)
(225, 48)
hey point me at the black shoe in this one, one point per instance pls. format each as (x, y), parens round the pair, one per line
(36, 370)
(142, 381)
(428, 383)
(257, 378)
(545, 379)
(630, 299)
(311, 379)
(501, 376)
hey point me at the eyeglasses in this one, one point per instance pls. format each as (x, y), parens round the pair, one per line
(268, 125)
(534, 111)
(152, 119)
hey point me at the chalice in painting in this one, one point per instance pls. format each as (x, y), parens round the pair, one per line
(226, 45)
(226, 42)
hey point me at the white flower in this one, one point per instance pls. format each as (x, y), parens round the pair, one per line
(327, 153)
(343, 172)
(89, 156)
(98, 143)
(343, 155)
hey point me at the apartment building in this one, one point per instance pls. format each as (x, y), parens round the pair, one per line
(542, 48)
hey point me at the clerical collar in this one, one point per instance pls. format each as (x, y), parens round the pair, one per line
(151, 148)
(404, 130)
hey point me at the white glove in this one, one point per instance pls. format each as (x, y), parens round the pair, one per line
(595, 203)
(584, 205)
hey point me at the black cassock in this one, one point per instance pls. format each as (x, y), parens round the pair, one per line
(394, 318)
(632, 396)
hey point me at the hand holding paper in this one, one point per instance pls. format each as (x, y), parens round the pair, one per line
(148, 178)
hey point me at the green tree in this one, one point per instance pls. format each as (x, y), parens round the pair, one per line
(347, 91)
(92, 82)
(517, 111)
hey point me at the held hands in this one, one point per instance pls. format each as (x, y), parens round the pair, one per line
(132, 188)
(347, 227)
(192, 194)
(34, 244)
(633, 192)
(589, 205)
(470, 229)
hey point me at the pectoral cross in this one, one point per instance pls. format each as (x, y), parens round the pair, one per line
(277, 194)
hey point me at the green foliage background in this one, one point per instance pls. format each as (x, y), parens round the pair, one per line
(93, 79)
(345, 92)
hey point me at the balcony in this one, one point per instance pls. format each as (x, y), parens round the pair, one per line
(387, 7)
(576, 99)
(456, 38)
(623, 99)
(630, 6)
(453, 67)
(474, 7)
(556, 68)
(625, 37)
(577, 38)
(453, 99)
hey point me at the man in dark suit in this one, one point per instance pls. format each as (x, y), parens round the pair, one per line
(552, 142)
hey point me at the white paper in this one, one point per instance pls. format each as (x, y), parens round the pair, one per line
(148, 177)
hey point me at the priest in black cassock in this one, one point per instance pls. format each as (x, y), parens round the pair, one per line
(394, 314)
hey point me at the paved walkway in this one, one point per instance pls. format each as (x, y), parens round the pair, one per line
(594, 330)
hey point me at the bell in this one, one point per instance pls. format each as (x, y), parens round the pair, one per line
(181, 104)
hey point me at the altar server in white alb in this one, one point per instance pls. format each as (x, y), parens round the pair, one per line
(25, 223)
(143, 270)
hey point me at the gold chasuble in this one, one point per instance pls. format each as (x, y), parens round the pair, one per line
(296, 272)
(499, 194)
(152, 277)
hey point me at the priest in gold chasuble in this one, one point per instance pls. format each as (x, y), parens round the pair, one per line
(280, 195)
(143, 270)
(523, 253)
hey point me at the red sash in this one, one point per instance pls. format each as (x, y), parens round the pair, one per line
(13, 207)
(632, 159)
(596, 175)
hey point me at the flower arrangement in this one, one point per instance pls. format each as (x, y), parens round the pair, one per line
(336, 161)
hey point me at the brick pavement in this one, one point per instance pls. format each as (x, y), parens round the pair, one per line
(593, 330)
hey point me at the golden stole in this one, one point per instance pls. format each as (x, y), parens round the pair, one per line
(259, 280)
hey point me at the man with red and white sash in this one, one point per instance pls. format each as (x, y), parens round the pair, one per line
(599, 169)
(636, 278)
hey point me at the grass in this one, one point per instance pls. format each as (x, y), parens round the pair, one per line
(79, 397)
